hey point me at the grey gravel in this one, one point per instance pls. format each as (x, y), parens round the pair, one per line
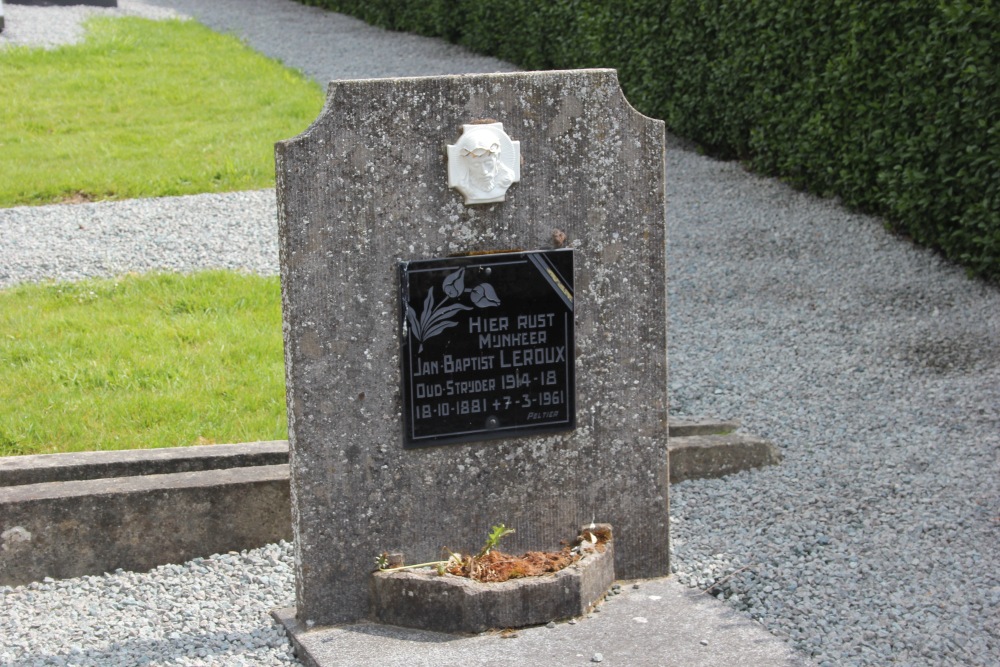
(873, 365)
(235, 230)
(49, 27)
(327, 46)
(208, 612)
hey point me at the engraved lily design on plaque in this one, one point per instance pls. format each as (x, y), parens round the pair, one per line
(435, 318)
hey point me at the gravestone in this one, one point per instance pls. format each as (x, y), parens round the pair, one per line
(474, 301)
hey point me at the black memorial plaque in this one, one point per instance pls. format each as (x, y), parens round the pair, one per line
(487, 347)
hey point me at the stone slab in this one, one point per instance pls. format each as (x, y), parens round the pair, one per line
(364, 188)
(660, 624)
(71, 529)
(41, 468)
(681, 427)
(708, 456)
(423, 599)
(64, 3)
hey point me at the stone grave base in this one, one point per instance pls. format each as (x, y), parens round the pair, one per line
(429, 601)
(648, 623)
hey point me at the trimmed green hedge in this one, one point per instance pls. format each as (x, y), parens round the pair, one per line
(893, 106)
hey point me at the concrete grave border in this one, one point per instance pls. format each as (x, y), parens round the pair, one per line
(69, 515)
(239, 477)
(104, 489)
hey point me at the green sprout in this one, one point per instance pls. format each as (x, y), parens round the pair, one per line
(498, 533)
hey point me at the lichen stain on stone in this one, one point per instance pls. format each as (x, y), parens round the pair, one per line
(15, 538)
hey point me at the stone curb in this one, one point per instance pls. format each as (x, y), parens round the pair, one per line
(708, 456)
(69, 515)
(42, 468)
(64, 3)
(690, 459)
(72, 529)
(682, 427)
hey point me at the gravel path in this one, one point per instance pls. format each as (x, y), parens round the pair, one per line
(236, 230)
(876, 368)
(205, 612)
(872, 364)
(49, 27)
(328, 46)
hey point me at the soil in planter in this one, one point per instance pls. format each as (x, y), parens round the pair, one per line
(497, 566)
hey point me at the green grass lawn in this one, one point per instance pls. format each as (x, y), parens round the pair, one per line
(158, 360)
(141, 109)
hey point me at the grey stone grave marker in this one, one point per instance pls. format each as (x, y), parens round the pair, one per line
(375, 185)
